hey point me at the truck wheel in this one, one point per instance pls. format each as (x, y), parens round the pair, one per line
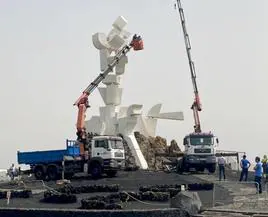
(52, 172)
(201, 169)
(39, 173)
(68, 175)
(212, 169)
(111, 173)
(179, 167)
(95, 170)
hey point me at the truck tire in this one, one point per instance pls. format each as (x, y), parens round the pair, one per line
(111, 173)
(68, 175)
(201, 169)
(212, 168)
(39, 173)
(95, 170)
(179, 167)
(52, 172)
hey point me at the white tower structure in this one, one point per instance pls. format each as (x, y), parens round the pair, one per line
(113, 118)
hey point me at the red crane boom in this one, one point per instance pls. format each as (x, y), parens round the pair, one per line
(82, 102)
(196, 106)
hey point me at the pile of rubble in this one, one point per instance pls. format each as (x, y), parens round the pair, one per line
(151, 147)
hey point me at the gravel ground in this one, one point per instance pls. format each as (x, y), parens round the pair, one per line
(128, 181)
(245, 199)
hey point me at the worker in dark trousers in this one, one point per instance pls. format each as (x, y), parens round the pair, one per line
(258, 174)
(244, 164)
(221, 164)
(264, 162)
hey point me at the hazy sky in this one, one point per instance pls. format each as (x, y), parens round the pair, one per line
(47, 59)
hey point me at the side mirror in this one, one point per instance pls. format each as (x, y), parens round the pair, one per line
(217, 141)
(185, 142)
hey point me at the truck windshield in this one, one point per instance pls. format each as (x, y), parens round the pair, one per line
(117, 144)
(201, 141)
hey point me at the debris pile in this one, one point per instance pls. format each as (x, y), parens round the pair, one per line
(151, 146)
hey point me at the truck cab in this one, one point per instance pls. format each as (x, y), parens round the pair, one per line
(200, 152)
(106, 155)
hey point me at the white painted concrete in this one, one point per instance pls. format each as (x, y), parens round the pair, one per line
(114, 118)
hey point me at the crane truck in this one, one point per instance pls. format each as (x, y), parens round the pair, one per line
(92, 154)
(200, 147)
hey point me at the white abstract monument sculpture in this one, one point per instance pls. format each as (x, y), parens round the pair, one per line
(113, 118)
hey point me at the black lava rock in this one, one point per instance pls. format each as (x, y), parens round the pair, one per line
(16, 194)
(53, 197)
(155, 196)
(69, 189)
(159, 188)
(200, 187)
(98, 203)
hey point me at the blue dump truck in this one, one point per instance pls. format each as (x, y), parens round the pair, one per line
(105, 154)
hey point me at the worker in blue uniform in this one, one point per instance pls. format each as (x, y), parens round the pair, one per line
(264, 162)
(244, 164)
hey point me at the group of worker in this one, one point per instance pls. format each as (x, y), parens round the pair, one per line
(260, 168)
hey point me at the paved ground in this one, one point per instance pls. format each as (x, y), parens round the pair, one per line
(230, 214)
(231, 197)
(245, 200)
(128, 181)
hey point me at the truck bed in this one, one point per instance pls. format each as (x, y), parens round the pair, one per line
(49, 156)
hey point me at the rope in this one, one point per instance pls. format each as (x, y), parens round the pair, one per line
(46, 187)
(155, 204)
(14, 188)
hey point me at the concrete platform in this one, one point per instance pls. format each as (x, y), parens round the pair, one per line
(14, 212)
(245, 200)
(128, 181)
